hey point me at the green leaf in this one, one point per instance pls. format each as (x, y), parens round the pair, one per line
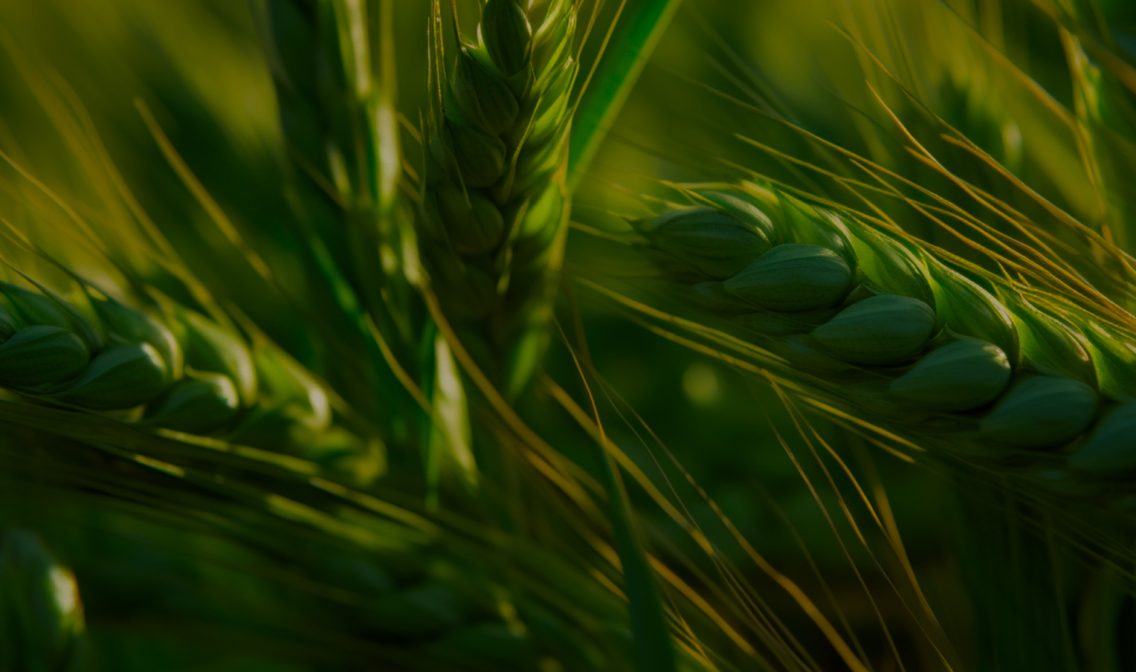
(641, 25)
(653, 651)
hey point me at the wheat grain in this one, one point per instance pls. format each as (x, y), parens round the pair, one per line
(961, 375)
(494, 204)
(1011, 374)
(175, 369)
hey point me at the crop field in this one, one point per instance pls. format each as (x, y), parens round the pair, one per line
(567, 335)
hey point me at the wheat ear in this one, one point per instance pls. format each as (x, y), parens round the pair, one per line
(495, 206)
(172, 368)
(912, 336)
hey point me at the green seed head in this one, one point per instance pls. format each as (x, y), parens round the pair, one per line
(481, 95)
(479, 157)
(535, 165)
(1041, 412)
(1049, 346)
(554, 34)
(554, 106)
(122, 376)
(208, 347)
(793, 278)
(41, 616)
(32, 308)
(42, 355)
(473, 223)
(507, 35)
(882, 330)
(1114, 359)
(126, 325)
(815, 226)
(712, 242)
(286, 385)
(960, 376)
(537, 245)
(967, 309)
(741, 207)
(888, 267)
(469, 292)
(1110, 451)
(200, 402)
(544, 215)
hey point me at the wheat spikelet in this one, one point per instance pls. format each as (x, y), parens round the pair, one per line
(175, 369)
(335, 100)
(495, 203)
(332, 112)
(983, 366)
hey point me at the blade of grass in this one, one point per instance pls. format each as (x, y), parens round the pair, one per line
(627, 48)
(653, 649)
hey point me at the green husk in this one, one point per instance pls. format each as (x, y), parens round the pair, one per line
(126, 325)
(201, 402)
(122, 376)
(882, 330)
(42, 355)
(959, 376)
(208, 347)
(1109, 452)
(793, 278)
(1041, 412)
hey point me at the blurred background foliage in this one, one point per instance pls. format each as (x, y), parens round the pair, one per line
(733, 88)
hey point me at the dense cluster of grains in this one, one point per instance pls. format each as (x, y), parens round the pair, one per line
(179, 371)
(495, 203)
(895, 325)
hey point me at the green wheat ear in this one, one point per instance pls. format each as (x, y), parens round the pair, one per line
(907, 334)
(494, 201)
(171, 368)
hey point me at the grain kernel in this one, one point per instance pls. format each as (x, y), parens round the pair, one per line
(878, 331)
(1041, 412)
(959, 376)
(793, 278)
